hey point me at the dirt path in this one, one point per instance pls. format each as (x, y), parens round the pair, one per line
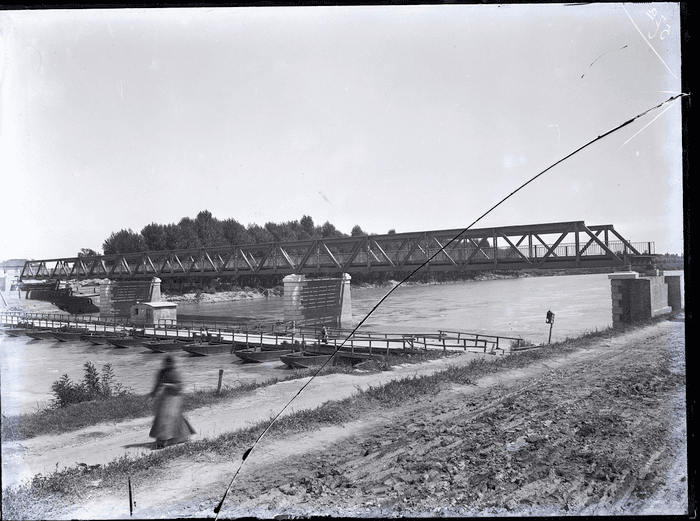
(585, 434)
(598, 431)
(105, 442)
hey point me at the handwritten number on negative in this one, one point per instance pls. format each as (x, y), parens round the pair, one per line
(651, 13)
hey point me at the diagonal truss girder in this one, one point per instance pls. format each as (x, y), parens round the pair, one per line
(551, 245)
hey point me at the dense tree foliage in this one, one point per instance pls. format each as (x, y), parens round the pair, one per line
(124, 241)
(205, 230)
(234, 232)
(307, 224)
(328, 231)
(357, 231)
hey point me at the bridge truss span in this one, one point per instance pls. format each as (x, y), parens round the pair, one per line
(538, 246)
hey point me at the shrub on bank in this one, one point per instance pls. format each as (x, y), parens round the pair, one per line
(515, 344)
(93, 387)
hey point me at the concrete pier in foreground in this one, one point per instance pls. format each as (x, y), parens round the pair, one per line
(637, 297)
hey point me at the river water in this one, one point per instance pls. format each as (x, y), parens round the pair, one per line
(508, 307)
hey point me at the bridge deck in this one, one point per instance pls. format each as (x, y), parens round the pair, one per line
(363, 344)
(537, 246)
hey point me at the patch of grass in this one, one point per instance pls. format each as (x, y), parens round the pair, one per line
(32, 503)
(418, 357)
(128, 406)
(74, 417)
(330, 413)
(122, 407)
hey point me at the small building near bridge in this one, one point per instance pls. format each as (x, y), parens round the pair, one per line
(154, 313)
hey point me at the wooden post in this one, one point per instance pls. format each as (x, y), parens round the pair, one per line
(221, 377)
(131, 503)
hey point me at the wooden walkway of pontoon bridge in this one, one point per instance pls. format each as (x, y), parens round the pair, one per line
(357, 345)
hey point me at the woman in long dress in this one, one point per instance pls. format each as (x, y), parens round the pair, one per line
(169, 424)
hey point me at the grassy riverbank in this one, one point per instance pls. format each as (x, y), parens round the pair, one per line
(130, 406)
(44, 494)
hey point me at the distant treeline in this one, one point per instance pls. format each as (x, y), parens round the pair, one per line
(381, 278)
(206, 231)
(669, 261)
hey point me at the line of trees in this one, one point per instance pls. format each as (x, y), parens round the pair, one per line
(669, 261)
(205, 230)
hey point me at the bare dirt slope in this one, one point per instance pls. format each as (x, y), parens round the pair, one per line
(598, 431)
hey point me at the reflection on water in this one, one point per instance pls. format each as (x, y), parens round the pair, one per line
(511, 307)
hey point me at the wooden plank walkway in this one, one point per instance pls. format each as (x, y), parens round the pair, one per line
(359, 344)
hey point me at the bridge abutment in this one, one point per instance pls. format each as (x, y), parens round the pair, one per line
(118, 296)
(318, 302)
(638, 297)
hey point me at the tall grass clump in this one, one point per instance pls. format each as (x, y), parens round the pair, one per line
(93, 387)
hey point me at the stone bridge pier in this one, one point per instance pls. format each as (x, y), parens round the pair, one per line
(118, 296)
(318, 302)
(638, 297)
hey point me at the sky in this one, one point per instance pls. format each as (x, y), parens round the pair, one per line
(410, 118)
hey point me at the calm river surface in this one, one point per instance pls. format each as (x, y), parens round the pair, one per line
(509, 307)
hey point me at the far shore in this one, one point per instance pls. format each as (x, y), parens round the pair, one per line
(248, 293)
(12, 302)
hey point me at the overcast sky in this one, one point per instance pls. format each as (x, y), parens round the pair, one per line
(411, 117)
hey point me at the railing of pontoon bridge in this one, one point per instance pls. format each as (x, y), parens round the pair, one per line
(194, 328)
(161, 328)
(60, 319)
(476, 338)
(358, 340)
(253, 334)
(371, 341)
(10, 318)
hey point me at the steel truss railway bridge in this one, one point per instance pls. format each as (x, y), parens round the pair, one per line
(524, 247)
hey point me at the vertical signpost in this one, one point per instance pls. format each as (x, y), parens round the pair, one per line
(550, 321)
(221, 376)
